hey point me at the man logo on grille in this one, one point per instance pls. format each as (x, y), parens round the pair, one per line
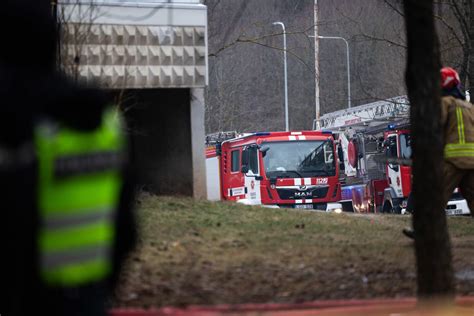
(303, 194)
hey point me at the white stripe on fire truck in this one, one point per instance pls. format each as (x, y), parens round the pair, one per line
(296, 133)
(299, 201)
(292, 137)
(302, 137)
(307, 181)
(308, 201)
(298, 181)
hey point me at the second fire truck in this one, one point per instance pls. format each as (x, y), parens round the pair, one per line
(375, 143)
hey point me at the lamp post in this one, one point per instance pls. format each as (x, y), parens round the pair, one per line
(316, 66)
(348, 66)
(287, 124)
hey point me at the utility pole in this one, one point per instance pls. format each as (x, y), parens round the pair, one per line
(316, 64)
(287, 123)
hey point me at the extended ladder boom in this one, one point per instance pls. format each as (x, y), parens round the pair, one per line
(368, 115)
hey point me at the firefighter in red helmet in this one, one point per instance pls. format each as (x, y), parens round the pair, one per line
(451, 83)
(457, 121)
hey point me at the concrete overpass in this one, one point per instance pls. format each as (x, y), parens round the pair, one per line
(152, 55)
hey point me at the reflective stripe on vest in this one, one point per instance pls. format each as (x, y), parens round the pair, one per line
(461, 135)
(461, 149)
(79, 187)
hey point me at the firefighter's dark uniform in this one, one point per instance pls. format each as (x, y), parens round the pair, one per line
(457, 118)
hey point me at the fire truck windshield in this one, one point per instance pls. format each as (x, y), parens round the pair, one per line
(299, 159)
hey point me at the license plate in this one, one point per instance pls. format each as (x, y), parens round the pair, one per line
(305, 206)
(454, 212)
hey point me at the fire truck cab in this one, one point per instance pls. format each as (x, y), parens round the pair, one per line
(397, 145)
(276, 169)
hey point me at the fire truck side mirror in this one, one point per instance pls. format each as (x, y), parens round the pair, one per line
(245, 169)
(390, 146)
(394, 167)
(245, 157)
(340, 153)
(264, 150)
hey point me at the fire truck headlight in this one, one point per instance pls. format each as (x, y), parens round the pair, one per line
(334, 207)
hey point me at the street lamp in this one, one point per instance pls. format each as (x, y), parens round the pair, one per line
(348, 66)
(287, 124)
(316, 66)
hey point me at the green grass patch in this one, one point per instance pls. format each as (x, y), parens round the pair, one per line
(199, 252)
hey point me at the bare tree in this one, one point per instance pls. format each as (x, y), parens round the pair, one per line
(246, 65)
(78, 35)
(455, 23)
(432, 244)
(245, 59)
(74, 35)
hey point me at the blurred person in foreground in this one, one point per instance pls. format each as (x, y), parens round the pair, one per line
(66, 185)
(457, 121)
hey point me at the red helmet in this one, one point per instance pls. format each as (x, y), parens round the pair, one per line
(449, 78)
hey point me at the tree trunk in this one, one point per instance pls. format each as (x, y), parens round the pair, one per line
(432, 245)
(470, 47)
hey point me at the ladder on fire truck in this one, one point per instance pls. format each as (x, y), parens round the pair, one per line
(360, 135)
(220, 137)
(364, 125)
(368, 116)
(216, 138)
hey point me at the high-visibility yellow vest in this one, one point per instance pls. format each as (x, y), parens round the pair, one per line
(78, 194)
(460, 149)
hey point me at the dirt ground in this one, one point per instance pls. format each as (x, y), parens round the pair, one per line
(206, 253)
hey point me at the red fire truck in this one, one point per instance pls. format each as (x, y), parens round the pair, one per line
(275, 169)
(375, 141)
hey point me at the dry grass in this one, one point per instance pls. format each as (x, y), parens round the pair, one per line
(197, 252)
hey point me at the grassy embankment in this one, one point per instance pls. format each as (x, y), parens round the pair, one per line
(197, 252)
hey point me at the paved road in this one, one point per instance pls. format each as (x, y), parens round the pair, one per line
(386, 307)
